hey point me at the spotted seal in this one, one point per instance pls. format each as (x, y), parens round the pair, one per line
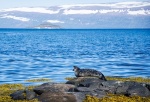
(88, 72)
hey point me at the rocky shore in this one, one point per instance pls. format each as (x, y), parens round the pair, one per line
(77, 90)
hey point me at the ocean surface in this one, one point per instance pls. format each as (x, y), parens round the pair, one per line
(38, 53)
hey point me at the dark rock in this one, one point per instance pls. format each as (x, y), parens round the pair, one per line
(146, 85)
(94, 86)
(57, 97)
(110, 86)
(84, 81)
(138, 90)
(30, 95)
(123, 87)
(98, 93)
(80, 96)
(18, 95)
(82, 89)
(53, 87)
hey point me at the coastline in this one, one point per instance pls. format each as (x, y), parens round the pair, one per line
(7, 89)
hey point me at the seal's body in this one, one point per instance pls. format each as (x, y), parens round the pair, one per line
(88, 72)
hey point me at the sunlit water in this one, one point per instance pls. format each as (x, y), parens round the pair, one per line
(28, 54)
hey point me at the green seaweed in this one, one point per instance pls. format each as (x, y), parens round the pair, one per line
(116, 98)
(136, 79)
(39, 80)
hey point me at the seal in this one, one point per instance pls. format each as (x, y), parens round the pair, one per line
(88, 72)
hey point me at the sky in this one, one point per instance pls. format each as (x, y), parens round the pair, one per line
(4, 4)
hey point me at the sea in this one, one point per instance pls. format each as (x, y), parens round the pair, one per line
(52, 53)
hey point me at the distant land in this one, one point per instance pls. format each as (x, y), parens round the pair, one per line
(79, 16)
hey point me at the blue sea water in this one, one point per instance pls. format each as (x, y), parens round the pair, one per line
(38, 53)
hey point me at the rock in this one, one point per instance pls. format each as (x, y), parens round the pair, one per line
(94, 86)
(123, 87)
(148, 86)
(80, 96)
(53, 87)
(57, 97)
(110, 86)
(98, 93)
(18, 95)
(82, 89)
(76, 90)
(138, 90)
(84, 81)
(30, 95)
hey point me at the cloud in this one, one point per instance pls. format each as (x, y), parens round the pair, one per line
(16, 18)
(139, 12)
(29, 9)
(66, 12)
(54, 21)
(112, 5)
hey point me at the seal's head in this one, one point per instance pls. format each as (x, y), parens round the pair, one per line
(75, 68)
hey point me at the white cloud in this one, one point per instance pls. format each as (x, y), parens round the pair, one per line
(27, 9)
(139, 12)
(54, 21)
(108, 11)
(130, 4)
(16, 18)
(112, 5)
(66, 12)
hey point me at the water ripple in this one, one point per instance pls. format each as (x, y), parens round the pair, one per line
(27, 54)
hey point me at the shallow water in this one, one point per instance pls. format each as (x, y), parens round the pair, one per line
(32, 53)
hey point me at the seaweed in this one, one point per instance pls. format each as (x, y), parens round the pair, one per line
(39, 80)
(116, 98)
(7, 89)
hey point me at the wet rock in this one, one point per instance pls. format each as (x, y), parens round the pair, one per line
(30, 95)
(138, 90)
(53, 87)
(18, 95)
(57, 97)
